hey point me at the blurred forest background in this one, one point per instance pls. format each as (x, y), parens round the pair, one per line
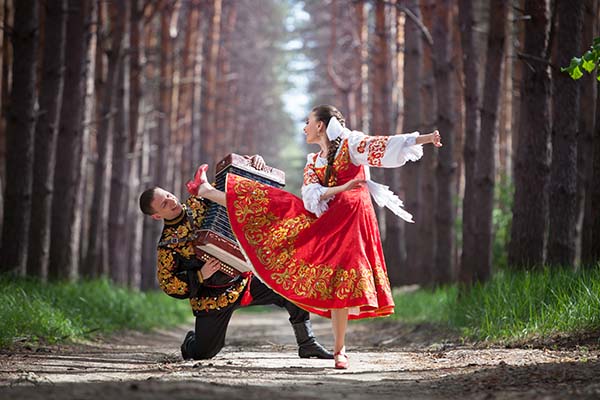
(101, 99)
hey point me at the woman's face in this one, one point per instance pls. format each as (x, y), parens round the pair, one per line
(314, 129)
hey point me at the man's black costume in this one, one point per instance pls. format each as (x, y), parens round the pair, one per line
(214, 300)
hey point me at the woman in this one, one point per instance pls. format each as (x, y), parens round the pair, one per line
(323, 251)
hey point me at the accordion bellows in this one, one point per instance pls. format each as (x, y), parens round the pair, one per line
(215, 236)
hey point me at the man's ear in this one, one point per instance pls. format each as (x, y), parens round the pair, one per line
(156, 217)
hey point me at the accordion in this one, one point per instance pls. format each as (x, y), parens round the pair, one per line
(215, 238)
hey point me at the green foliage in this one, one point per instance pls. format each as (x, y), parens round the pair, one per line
(588, 62)
(522, 304)
(514, 305)
(424, 305)
(33, 311)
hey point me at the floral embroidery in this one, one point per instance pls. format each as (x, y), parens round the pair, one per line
(226, 298)
(377, 146)
(362, 146)
(274, 240)
(310, 176)
(340, 164)
(167, 279)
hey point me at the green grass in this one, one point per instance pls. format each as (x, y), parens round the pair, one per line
(514, 305)
(424, 305)
(32, 311)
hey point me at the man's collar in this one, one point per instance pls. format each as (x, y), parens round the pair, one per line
(177, 219)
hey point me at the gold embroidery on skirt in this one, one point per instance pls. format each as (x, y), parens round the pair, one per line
(274, 241)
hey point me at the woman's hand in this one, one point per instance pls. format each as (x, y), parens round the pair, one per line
(210, 267)
(352, 184)
(436, 139)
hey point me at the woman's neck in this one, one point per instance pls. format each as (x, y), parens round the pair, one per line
(324, 144)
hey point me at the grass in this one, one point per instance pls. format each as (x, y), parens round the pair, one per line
(513, 305)
(31, 311)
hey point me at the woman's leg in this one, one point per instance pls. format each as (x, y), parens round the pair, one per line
(206, 190)
(209, 192)
(339, 323)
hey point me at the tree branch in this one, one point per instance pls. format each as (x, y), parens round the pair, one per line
(419, 23)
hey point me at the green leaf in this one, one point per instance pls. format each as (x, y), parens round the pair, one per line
(596, 41)
(588, 66)
(588, 56)
(575, 62)
(576, 73)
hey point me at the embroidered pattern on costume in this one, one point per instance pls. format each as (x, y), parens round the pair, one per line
(226, 298)
(275, 240)
(167, 280)
(339, 164)
(377, 146)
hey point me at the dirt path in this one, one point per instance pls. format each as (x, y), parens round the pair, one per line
(388, 361)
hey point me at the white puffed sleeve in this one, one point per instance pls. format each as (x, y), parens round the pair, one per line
(384, 151)
(312, 190)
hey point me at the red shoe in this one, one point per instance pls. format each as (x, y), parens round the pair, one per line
(343, 363)
(194, 185)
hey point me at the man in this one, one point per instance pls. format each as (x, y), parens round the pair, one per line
(213, 295)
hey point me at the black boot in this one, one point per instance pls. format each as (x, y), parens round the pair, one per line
(307, 343)
(188, 338)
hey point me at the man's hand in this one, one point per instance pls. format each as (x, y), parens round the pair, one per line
(257, 162)
(210, 267)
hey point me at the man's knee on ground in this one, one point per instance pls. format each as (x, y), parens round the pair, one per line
(198, 350)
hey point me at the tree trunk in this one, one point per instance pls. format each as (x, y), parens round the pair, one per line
(412, 121)
(195, 149)
(469, 262)
(4, 69)
(427, 226)
(118, 240)
(563, 207)
(585, 145)
(51, 92)
(165, 93)
(66, 209)
(186, 92)
(486, 161)
(134, 224)
(530, 210)
(151, 229)
(446, 168)
(210, 84)
(595, 189)
(20, 139)
(395, 253)
(505, 131)
(97, 256)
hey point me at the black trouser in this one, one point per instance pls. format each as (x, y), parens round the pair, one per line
(212, 327)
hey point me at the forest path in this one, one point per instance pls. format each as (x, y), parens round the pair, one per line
(387, 361)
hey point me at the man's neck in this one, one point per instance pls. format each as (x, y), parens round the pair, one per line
(177, 219)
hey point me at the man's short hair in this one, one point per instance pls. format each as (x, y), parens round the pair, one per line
(146, 199)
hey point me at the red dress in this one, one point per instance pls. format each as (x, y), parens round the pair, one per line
(319, 263)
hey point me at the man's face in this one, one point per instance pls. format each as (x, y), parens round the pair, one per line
(165, 205)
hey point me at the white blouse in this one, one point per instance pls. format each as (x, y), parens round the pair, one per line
(375, 151)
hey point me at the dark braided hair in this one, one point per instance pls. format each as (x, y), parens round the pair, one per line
(324, 113)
